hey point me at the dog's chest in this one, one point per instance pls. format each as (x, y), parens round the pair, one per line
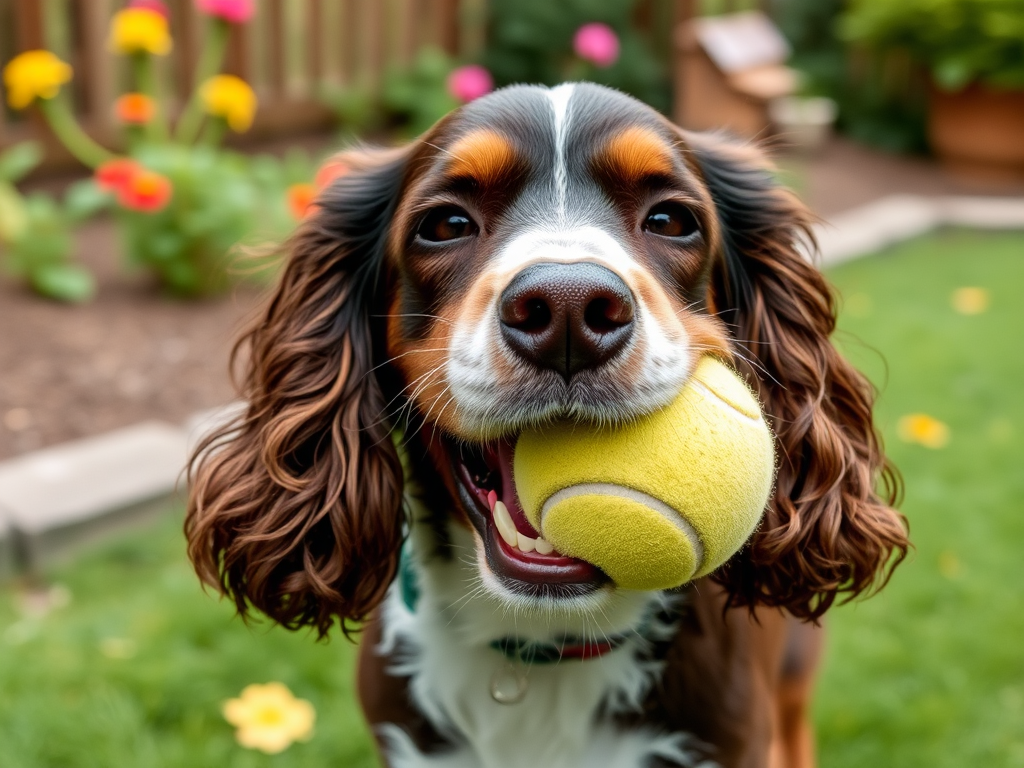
(564, 718)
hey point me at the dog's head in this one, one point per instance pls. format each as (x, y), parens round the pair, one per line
(538, 254)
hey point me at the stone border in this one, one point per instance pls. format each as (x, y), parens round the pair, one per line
(56, 499)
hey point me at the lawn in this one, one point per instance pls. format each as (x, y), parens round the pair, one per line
(131, 664)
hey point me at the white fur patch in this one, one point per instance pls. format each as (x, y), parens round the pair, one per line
(444, 648)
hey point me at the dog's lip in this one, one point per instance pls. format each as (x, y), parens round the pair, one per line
(530, 569)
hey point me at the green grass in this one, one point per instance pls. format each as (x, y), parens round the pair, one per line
(931, 671)
(132, 672)
(65, 703)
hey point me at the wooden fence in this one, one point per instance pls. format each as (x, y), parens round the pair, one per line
(291, 50)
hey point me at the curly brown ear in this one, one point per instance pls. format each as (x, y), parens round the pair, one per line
(830, 529)
(295, 508)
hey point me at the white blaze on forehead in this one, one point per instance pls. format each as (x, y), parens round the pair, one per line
(566, 246)
(560, 97)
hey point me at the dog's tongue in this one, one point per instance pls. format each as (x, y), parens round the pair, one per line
(505, 455)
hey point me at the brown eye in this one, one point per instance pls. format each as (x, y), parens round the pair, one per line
(443, 224)
(671, 219)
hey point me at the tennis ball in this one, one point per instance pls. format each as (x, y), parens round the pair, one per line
(656, 502)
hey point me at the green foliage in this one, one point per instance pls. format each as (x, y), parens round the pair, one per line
(882, 103)
(960, 41)
(219, 200)
(930, 673)
(530, 41)
(418, 97)
(36, 231)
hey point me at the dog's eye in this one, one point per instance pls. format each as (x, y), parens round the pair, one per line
(670, 219)
(449, 223)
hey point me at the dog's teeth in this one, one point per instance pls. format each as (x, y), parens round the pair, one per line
(526, 544)
(543, 547)
(503, 521)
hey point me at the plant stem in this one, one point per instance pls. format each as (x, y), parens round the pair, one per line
(146, 81)
(70, 133)
(213, 131)
(210, 61)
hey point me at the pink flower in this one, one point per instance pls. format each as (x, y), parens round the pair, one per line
(596, 43)
(234, 11)
(470, 82)
(157, 6)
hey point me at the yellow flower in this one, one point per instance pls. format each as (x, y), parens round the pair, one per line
(970, 301)
(34, 75)
(139, 30)
(923, 429)
(230, 97)
(269, 718)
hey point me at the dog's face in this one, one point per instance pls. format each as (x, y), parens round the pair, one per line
(539, 254)
(552, 259)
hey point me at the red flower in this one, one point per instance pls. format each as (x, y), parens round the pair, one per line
(234, 11)
(146, 191)
(596, 43)
(329, 171)
(300, 199)
(114, 175)
(470, 82)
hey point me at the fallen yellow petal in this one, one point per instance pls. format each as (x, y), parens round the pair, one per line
(970, 300)
(923, 429)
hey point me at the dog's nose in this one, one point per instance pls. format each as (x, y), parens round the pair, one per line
(566, 317)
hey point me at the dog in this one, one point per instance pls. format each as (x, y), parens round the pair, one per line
(539, 254)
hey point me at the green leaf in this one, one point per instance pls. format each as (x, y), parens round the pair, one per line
(85, 199)
(64, 282)
(13, 216)
(19, 160)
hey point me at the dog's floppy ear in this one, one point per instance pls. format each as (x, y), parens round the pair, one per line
(830, 528)
(296, 507)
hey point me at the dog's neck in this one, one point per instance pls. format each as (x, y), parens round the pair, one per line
(506, 712)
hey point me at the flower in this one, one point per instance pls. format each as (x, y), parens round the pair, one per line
(157, 6)
(596, 43)
(970, 301)
(114, 175)
(269, 718)
(234, 11)
(230, 97)
(134, 108)
(470, 82)
(34, 75)
(145, 191)
(140, 30)
(923, 429)
(300, 199)
(329, 171)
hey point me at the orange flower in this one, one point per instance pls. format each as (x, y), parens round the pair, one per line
(134, 108)
(300, 199)
(330, 171)
(114, 175)
(146, 191)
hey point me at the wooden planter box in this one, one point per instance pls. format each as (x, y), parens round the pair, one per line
(979, 131)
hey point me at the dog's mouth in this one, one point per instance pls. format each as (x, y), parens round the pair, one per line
(516, 552)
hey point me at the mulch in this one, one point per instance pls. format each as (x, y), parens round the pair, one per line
(67, 372)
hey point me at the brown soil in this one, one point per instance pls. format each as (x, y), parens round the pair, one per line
(130, 355)
(71, 371)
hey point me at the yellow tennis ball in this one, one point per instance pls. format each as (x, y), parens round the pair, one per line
(656, 502)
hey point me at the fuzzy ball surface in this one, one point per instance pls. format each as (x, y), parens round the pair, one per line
(657, 502)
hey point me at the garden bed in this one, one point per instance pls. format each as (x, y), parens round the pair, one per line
(132, 354)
